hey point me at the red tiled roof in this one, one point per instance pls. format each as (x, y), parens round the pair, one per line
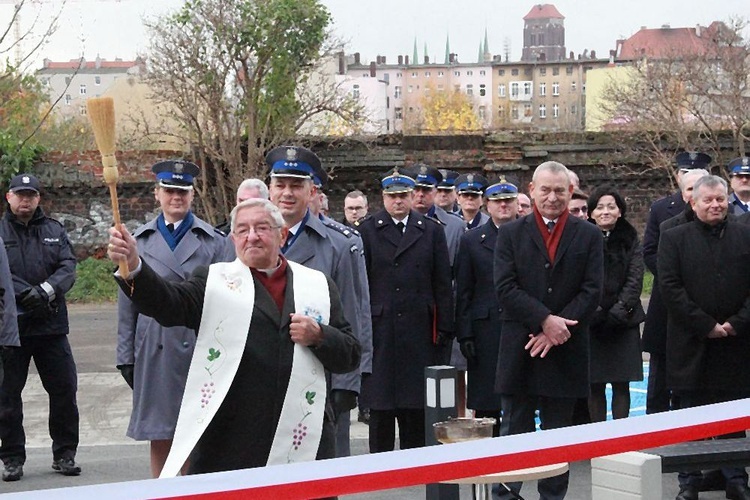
(543, 11)
(75, 63)
(665, 42)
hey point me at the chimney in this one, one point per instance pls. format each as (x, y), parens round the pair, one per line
(698, 30)
(612, 54)
(665, 26)
(46, 62)
(400, 60)
(372, 69)
(593, 54)
(426, 59)
(356, 58)
(383, 59)
(451, 58)
(406, 60)
(342, 63)
(572, 55)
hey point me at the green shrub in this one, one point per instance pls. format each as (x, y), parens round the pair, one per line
(648, 283)
(94, 282)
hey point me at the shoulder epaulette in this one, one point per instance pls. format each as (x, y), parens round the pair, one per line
(338, 227)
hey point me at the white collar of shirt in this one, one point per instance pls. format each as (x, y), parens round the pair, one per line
(405, 220)
(547, 221)
(293, 230)
(175, 224)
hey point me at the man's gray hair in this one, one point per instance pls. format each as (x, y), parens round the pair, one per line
(254, 184)
(554, 167)
(269, 207)
(689, 174)
(709, 181)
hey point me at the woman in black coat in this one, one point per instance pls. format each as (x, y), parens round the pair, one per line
(615, 332)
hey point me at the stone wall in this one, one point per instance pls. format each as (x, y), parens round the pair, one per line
(76, 194)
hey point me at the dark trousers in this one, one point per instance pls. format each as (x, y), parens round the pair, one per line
(518, 418)
(383, 429)
(658, 397)
(691, 399)
(57, 370)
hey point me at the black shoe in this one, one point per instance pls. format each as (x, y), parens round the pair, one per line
(13, 471)
(713, 480)
(687, 492)
(364, 416)
(66, 467)
(738, 491)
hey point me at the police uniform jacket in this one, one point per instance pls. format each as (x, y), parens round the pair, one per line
(162, 355)
(704, 274)
(735, 205)
(654, 336)
(336, 251)
(39, 252)
(411, 298)
(529, 288)
(241, 432)
(9, 326)
(454, 228)
(478, 314)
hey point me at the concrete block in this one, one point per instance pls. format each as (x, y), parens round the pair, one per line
(626, 476)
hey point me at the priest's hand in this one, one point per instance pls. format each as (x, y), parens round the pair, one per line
(305, 331)
(122, 246)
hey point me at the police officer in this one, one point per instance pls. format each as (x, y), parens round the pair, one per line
(43, 265)
(445, 197)
(331, 248)
(153, 359)
(658, 397)
(412, 313)
(355, 208)
(470, 188)
(739, 172)
(477, 309)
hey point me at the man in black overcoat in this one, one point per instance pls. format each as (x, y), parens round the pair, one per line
(704, 274)
(548, 278)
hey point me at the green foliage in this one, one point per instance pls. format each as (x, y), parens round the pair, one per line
(648, 283)
(94, 282)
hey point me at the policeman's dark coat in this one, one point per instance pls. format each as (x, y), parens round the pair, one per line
(478, 314)
(705, 279)
(529, 288)
(9, 325)
(241, 432)
(410, 294)
(654, 336)
(162, 355)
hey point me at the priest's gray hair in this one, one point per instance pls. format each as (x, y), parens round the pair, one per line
(269, 207)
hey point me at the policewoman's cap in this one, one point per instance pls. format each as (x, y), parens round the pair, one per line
(293, 161)
(24, 182)
(501, 190)
(176, 173)
(395, 182)
(320, 177)
(449, 179)
(425, 175)
(689, 160)
(739, 166)
(471, 184)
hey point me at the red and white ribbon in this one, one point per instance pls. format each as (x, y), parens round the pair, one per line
(432, 464)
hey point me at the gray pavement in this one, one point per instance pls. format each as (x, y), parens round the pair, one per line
(107, 455)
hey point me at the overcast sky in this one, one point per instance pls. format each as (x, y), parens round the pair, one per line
(113, 28)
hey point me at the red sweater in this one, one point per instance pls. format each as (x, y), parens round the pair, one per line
(275, 283)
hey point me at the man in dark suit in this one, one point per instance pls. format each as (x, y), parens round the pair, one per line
(406, 257)
(658, 397)
(243, 430)
(548, 278)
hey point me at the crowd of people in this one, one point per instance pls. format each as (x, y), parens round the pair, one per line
(535, 299)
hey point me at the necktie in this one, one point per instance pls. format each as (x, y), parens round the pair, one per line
(550, 226)
(170, 227)
(400, 226)
(287, 243)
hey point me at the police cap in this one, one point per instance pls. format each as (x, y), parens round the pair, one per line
(739, 166)
(425, 175)
(176, 173)
(501, 190)
(449, 179)
(395, 182)
(24, 182)
(294, 161)
(688, 160)
(471, 184)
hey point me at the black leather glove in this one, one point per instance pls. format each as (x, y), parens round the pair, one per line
(343, 400)
(127, 372)
(444, 339)
(618, 316)
(469, 350)
(33, 298)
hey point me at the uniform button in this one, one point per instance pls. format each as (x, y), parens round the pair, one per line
(398, 289)
(161, 346)
(399, 315)
(546, 265)
(395, 264)
(186, 344)
(549, 290)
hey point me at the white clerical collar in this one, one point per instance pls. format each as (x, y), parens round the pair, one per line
(270, 271)
(404, 220)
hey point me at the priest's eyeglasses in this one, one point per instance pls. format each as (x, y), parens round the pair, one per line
(259, 229)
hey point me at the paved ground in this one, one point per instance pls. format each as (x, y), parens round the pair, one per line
(107, 456)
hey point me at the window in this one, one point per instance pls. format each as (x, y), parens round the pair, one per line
(573, 109)
(572, 86)
(583, 89)
(399, 75)
(413, 74)
(426, 74)
(457, 88)
(482, 90)
(527, 110)
(355, 91)
(397, 92)
(542, 111)
(67, 99)
(399, 112)
(469, 73)
(365, 75)
(82, 110)
(569, 70)
(441, 87)
(501, 90)
(97, 80)
(456, 73)
(555, 88)
(555, 111)
(82, 90)
(514, 90)
(527, 71)
(542, 71)
(441, 74)
(482, 72)
(527, 89)
(482, 112)
(469, 89)
(555, 71)
(514, 72)
(67, 80)
(501, 111)
(501, 72)
(542, 89)
(514, 112)
(410, 89)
